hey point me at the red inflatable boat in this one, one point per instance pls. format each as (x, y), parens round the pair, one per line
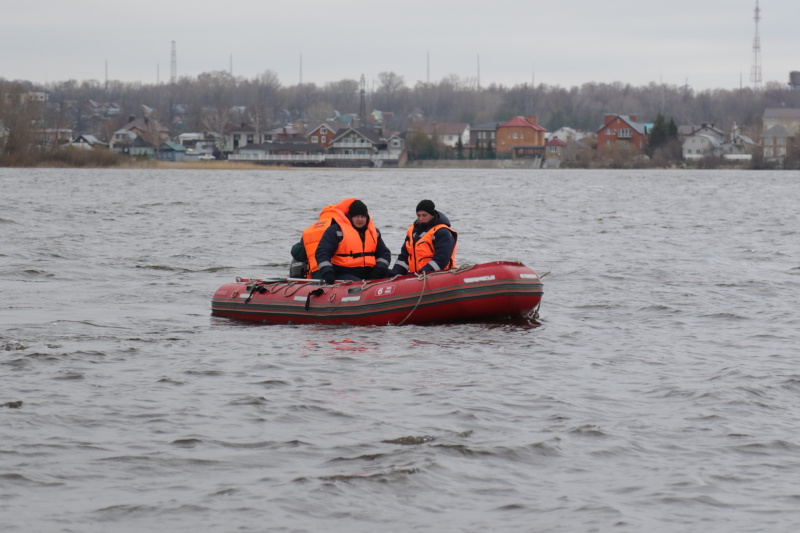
(470, 293)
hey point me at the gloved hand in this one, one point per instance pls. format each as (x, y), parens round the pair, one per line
(329, 277)
(377, 273)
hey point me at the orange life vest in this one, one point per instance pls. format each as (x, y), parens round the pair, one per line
(421, 252)
(313, 234)
(352, 251)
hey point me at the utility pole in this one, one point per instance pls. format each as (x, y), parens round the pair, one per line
(362, 109)
(479, 72)
(428, 68)
(173, 73)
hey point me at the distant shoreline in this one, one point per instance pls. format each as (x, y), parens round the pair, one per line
(412, 165)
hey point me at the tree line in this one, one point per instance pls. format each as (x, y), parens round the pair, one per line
(217, 101)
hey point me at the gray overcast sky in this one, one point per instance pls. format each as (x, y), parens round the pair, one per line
(705, 43)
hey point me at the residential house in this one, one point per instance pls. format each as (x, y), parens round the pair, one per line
(286, 133)
(47, 137)
(738, 146)
(566, 134)
(122, 140)
(448, 133)
(622, 129)
(395, 145)
(41, 97)
(701, 145)
(555, 148)
(776, 142)
(172, 151)
(149, 129)
(323, 134)
(483, 137)
(788, 117)
(712, 142)
(202, 143)
(87, 142)
(128, 141)
(98, 110)
(521, 137)
(688, 130)
(140, 147)
(382, 118)
(578, 139)
(245, 134)
(357, 141)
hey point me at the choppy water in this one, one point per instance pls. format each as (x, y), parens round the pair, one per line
(660, 393)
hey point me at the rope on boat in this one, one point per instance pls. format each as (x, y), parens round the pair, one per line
(424, 277)
(297, 287)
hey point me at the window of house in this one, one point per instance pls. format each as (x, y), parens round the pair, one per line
(516, 135)
(314, 139)
(249, 139)
(323, 130)
(324, 139)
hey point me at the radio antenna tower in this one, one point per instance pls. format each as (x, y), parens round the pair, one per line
(173, 65)
(755, 70)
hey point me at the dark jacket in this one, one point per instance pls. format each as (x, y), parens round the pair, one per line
(444, 243)
(330, 243)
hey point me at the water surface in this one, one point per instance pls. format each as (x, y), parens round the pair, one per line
(658, 393)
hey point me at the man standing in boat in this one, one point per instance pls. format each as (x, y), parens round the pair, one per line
(352, 248)
(430, 243)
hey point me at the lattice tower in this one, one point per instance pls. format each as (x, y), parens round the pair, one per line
(755, 70)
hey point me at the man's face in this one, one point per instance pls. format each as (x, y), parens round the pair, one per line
(359, 221)
(423, 217)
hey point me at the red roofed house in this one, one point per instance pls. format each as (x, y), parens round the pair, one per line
(555, 148)
(622, 129)
(521, 137)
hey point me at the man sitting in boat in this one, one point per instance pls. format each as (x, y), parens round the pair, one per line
(430, 243)
(352, 248)
(304, 263)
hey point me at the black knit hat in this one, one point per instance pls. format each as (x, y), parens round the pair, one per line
(427, 206)
(358, 208)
